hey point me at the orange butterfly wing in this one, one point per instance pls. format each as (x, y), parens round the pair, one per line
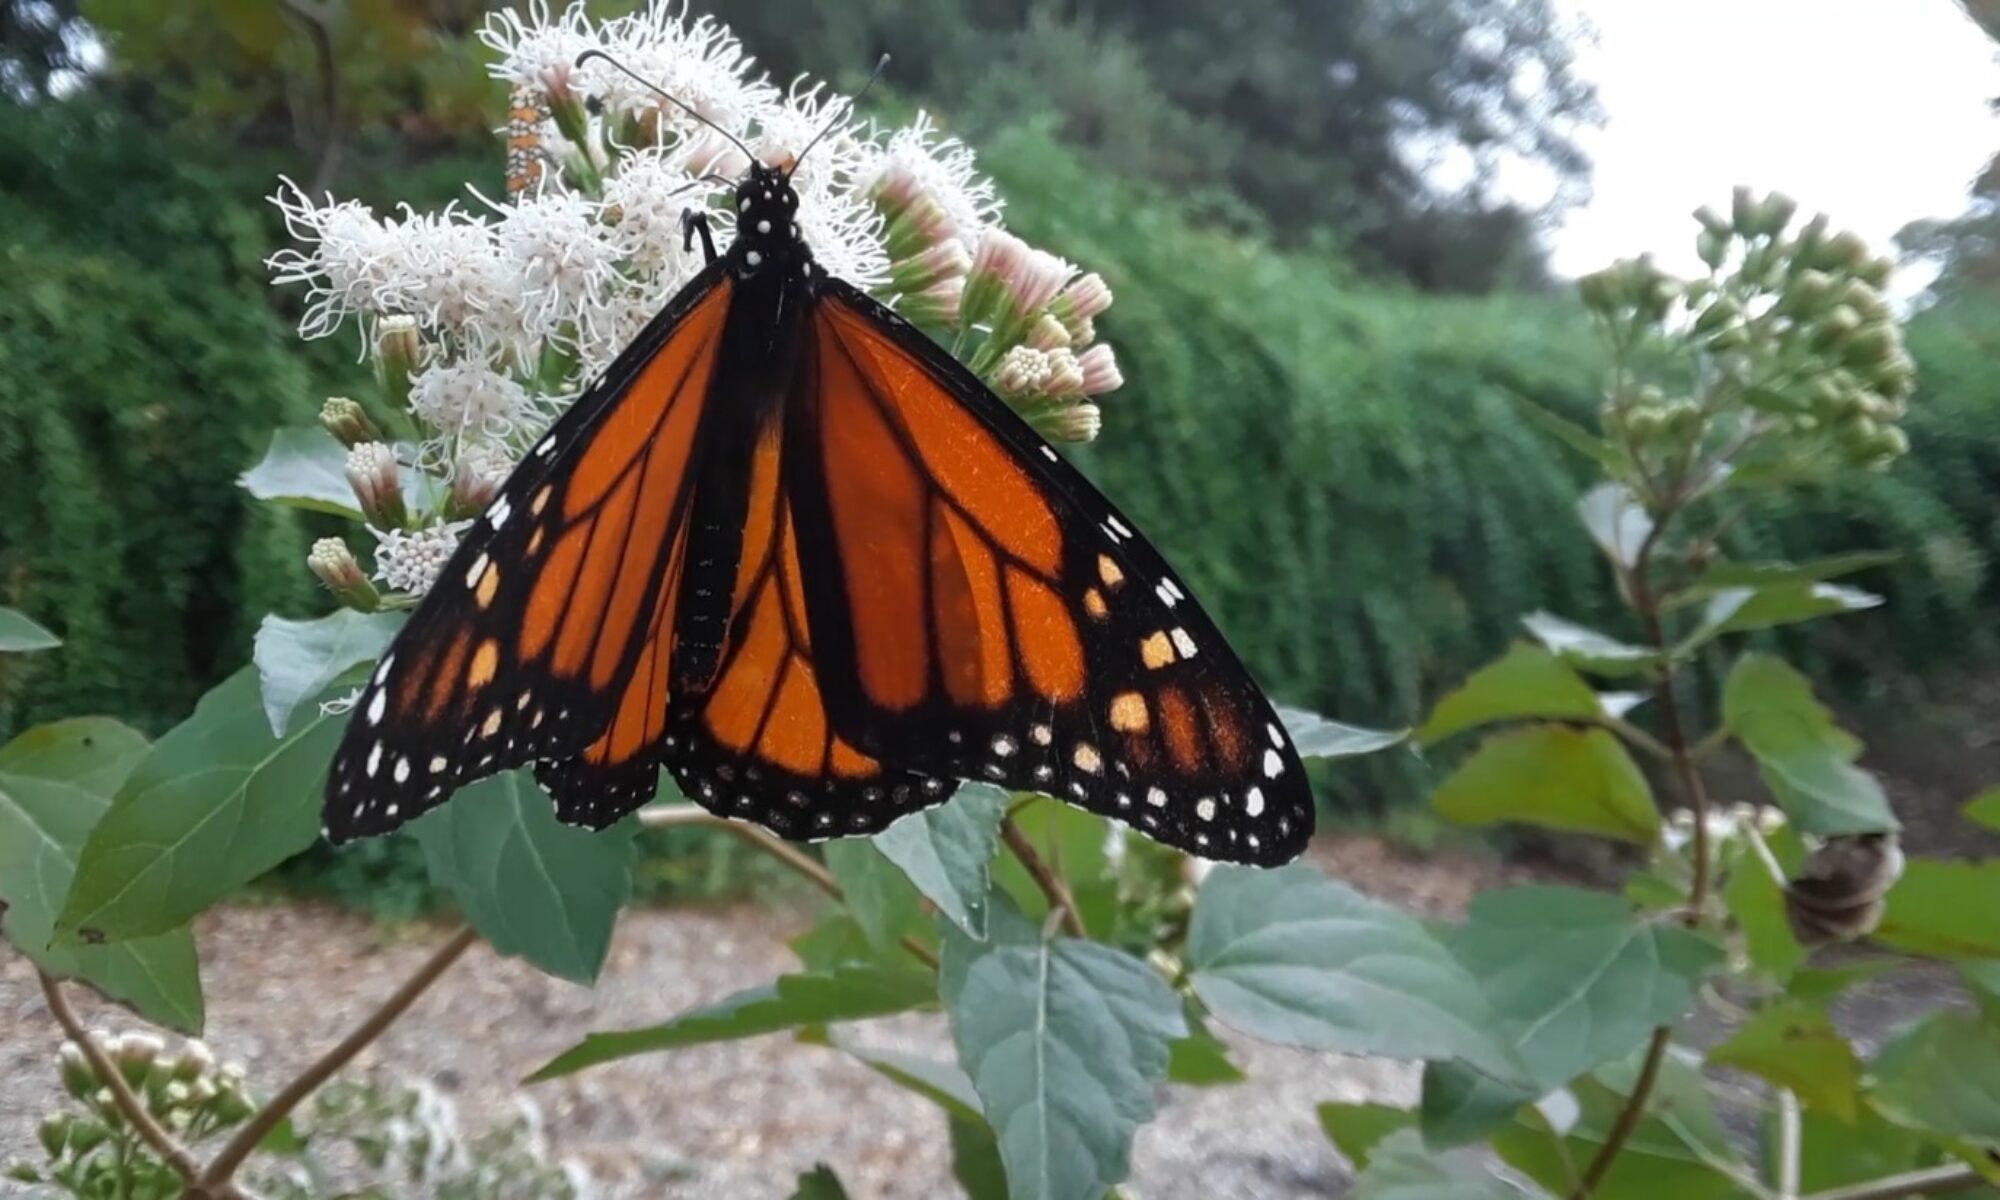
(547, 636)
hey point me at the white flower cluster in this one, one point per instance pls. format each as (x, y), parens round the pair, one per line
(487, 318)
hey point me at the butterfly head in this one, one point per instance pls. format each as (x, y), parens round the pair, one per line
(767, 228)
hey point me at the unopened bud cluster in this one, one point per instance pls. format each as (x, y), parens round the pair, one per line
(1799, 362)
(91, 1149)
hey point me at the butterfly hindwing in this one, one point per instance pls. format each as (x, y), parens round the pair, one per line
(978, 609)
(540, 640)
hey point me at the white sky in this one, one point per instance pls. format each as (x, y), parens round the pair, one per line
(1874, 111)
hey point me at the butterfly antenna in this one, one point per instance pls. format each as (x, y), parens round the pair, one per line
(669, 97)
(881, 64)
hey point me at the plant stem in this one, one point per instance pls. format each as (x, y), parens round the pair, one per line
(670, 816)
(1639, 588)
(245, 1140)
(129, 1105)
(1628, 1117)
(1788, 1144)
(1931, 1181)
(1051, 884)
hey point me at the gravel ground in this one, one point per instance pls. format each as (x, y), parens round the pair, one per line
(738, 1119)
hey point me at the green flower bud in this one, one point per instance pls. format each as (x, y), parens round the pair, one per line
(21, 1171)
(1806, 247)
(1712, 247)
(54, 1133)
(1876, 271)
(1891, 442)
(1712, 222)
(1844, 252)
(1684, 417)
(1603, 291)
(1873, 345)
(1775, 213)
(335, 566)
(1733, 337)
(348, 421)
(399, 353)
(78, 1078)
(1723, 312)
(1744, 211)
(1645, 424)
(1807, 293)
(84, 1136)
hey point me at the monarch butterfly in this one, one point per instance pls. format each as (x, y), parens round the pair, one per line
(795, 553)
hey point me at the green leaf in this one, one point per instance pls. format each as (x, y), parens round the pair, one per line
(297, 660)
(975, 1150)
(1795, 1046)
(1984, 809)
(836, 940)
(1528, 681)
(1571, 434)
(1942, 1077)
(1944, 909)
(1066, 1042)
(1576, 977)
(1587, 649)
(820, 1183)
(847, 993)
(1403, 1168)
(1673, 1153)
(1766, 574)
(304, 468)
(883, 900)
(1806, 760)
(1741, 610)
(216, 802)
(531, 885)
(946, 852)
(1580, 780)
(1291, 956)
(1758, 904)
(1460, 1105)
(1616, 520)
(1201, 1060)
(1072, 842)
(19, 634)
(1356, 1129)
(1313, 736)
(1838, 1153)
(55, 783)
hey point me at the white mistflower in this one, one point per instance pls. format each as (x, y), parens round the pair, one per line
(915, 161)
(539, 52)
(470, 400)
(352, 263)
(787, 127)
(643, 205)
(562, 264)
(699, 63)
(843, 230)
(451, 273)
(409, 561)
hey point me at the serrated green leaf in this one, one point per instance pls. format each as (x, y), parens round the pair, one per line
(947, 852)
(847, 993)
(1587, 649)
(975, 1151)
(1616, 521)
(1795, 1046)
(1403, 1168)
(1944, 909)
(532, 886)
(1941, 1076)
(1805, 759)
(1579, 780)
(1576, 977)
(19, 634)
(884, 902)
(1066, 1042)
(1984, 809)
(297, 660)
(820, 1183)
(1201, 1059)
(1291, 956)
(1742, 610)
(1356, 1129)
(835, 940)
(1459, 1105)
(1839, 1153)
(1528, 681)
(1766, 574)
(1313, 736)
(56, 781)
(214, 804)
(1758, 904)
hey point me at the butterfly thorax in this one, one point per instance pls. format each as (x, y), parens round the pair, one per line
(768, 242)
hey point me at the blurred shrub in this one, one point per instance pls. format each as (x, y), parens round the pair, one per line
(140, 370)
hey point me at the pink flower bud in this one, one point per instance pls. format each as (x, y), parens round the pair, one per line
(1100, 371)
(372, 473)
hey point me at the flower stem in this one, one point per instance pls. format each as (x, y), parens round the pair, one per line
(1931, 1181)
(128, 1104)
(1046, 879)
(245, 1140)
(1628, 1117)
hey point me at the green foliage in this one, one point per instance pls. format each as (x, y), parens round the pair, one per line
(142, 368)
(1580, 780)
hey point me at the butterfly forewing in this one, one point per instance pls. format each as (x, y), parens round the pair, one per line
(542, 637)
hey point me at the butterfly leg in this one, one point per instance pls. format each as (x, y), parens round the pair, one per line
(694, 221)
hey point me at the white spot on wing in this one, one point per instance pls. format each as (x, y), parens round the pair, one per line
(1205, 809)
(382, 668)
(375, 707)
(1277, 734)
(402, 770)
(374, 760)
(498, 514)
(1253, 802)
(478, 569)
(1156, 797)
(1183, 643)
(1273, 765)
(1118, 526)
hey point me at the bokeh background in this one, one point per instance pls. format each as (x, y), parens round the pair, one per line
(1337, 231)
